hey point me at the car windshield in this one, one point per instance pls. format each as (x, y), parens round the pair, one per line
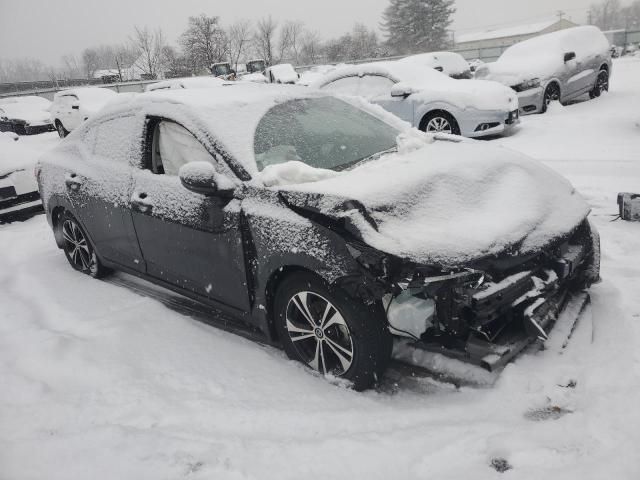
(257, 66)
(223, 69)
(322, 132)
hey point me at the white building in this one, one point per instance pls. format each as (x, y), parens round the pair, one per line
(488, 45)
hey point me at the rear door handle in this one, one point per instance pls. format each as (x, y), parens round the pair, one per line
(72, 181)
(141, 202)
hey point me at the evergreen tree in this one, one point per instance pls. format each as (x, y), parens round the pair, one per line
(417, 25)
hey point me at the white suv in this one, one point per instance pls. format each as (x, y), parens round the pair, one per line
(72, 107)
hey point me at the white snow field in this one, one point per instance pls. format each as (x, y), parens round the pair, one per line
(100, 382)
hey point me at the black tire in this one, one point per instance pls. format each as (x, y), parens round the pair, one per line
(342, 327)
(442, 120)
(602, 84)
(78, 249)
(551, 94)
(62, 132)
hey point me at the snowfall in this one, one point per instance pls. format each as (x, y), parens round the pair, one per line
(102, 381)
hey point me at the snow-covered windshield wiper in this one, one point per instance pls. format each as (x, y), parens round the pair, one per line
(355, 163)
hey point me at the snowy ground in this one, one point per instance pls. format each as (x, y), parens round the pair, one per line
(97, 381)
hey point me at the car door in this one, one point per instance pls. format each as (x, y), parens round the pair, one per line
(72, 109)
(377, 89)
(99, 188)
(187, 240)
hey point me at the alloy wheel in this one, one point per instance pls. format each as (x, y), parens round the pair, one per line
(551, 94)
(61, 132)
(439, 125)
(319, 333)
(76, 246)
(602, 85)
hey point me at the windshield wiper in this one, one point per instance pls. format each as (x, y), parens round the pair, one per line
(375, 156)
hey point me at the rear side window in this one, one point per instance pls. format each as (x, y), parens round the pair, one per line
(118, 139)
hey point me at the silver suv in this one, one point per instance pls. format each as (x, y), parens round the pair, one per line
(561, 66)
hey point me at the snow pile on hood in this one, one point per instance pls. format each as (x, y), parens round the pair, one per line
(542, 57)
(429, 85)
(451, 63)
(15, 154)
(284, 73)
(448, 203)
(31, 109)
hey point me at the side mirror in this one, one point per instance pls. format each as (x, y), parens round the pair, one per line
(202, 178)
(569, 56)
(401, 89)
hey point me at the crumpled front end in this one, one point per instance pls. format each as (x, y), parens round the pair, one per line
(487, 313)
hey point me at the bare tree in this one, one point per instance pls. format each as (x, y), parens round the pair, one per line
(607, 15)
(91, 62)
(364, 43)
(22, 70)
(148, 46)
(290, 40)
(264, 39)
(310, 47)
(239, 40)
(204, 42)
(124, 57)
(70, 67)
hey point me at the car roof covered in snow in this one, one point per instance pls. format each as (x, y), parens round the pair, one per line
(452, 63)
(230, 113)
(408, 72)
(187, 82)
(88, 94)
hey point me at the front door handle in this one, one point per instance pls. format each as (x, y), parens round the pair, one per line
(72, 181)
(141, 202)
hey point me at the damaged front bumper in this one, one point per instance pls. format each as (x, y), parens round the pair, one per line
(487, 319)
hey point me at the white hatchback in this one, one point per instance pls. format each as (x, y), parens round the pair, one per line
(72, 107)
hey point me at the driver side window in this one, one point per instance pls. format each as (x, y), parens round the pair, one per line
(173, 146)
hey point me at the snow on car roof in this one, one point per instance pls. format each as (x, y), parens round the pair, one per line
(399, 72)
(88, 94)
(187, 82)
(544, 55)
(451, 62)
(231, 112)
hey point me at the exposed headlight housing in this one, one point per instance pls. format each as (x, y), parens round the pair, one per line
(527, 85)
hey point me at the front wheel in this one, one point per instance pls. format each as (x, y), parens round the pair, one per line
(62, 132)
(78, 248)
(551, 94)
(602, 84)
(334, 334)
(439, 122)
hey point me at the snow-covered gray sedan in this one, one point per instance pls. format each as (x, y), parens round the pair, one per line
(559, 66)
(324, 223)
(428, 99)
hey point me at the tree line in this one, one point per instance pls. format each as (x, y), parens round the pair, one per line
(612, 15)
(407, 25)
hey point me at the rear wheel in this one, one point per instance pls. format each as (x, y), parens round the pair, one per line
(602, 84)
(62, 132)
(78, 248)
(439, 122)
(334, 334)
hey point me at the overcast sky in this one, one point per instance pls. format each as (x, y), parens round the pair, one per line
(48, 29)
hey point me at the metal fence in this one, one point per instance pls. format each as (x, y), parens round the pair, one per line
(49, 89)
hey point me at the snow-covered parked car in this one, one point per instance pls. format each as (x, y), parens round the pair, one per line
(72, 107)
(187, 82)
(18, 187)
(561, 66)
(450, 63)
(282, 73)
(428, 99)
(25, 115)
(325, 223)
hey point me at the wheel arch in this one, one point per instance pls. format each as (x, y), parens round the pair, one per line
(436, 110)
(604, 67)
(271, 287)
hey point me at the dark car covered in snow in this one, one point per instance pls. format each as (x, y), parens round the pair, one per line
(324, 222)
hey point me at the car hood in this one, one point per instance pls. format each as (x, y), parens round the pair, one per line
(464, 94)
(447, 202)
(510, 74)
